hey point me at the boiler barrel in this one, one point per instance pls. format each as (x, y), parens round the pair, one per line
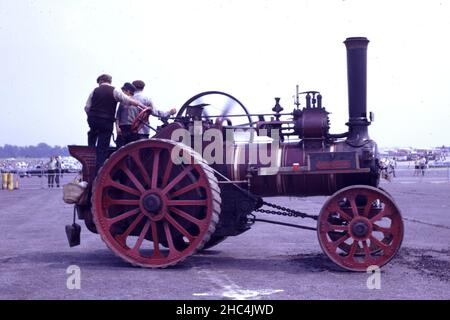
(279, 178)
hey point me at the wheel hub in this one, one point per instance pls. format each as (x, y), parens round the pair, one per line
(360, 229)
(152, 203)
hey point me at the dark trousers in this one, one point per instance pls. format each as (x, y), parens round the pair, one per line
(51, 178)
(127, 135)
(143, 136)
(99, 136)
(57, 176)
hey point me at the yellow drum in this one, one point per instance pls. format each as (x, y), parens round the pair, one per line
(10, 181)
(4, 181)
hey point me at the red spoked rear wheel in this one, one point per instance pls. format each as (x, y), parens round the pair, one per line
(151, 211)
(360, 226)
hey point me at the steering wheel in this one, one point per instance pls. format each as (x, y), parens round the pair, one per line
(140, 120)
(218, 107)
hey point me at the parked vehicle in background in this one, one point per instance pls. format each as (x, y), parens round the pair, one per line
(439, 164)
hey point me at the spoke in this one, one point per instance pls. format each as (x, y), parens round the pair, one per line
(379, 216)
(378, 243)
(155, 168)
(385, 231)
(343, 215)
(122, 237)
(341, 240)
(141, 236)
(366, 249)
(353, 249)
(177, 179)
(187, 202)
(155, 240)
(167, 172)
(188, 217)
(186, 189)
(353, 206)
(334, 227)
(368, 206)
(172, 249)
(122, 202)
(123, 187)
(123, 216)
(136, 158)
(132, 177)
(182, 230)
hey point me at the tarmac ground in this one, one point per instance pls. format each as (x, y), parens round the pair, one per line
(268, 262)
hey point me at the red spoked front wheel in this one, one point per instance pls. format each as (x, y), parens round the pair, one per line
(151, 211)
(360, 226)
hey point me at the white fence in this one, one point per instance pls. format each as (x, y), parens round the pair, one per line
(402, 173)
(40, 180)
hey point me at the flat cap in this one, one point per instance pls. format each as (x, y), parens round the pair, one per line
(128, 87)
(104, 78)
(139, 84)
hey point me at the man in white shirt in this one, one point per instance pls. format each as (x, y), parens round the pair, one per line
(139, 95)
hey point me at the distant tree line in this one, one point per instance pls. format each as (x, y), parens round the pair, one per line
(42, 150)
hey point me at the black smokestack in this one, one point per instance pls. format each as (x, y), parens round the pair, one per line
(357, 89)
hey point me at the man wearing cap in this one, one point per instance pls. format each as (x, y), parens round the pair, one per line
(144, 132)
(125, 115)
(101, 109)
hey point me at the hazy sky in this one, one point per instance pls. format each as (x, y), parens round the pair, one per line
(53, 50)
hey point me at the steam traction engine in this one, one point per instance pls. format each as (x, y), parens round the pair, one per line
(157, 201)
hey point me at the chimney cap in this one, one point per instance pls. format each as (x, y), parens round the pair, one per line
(356, 42)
